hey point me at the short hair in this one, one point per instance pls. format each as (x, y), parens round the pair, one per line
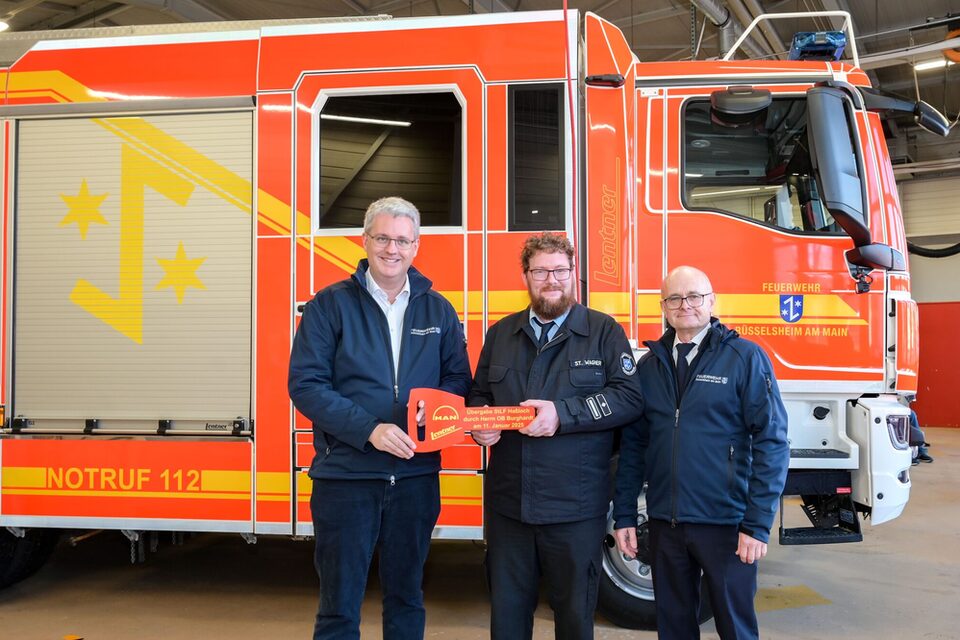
(545, 242)
(392, 206)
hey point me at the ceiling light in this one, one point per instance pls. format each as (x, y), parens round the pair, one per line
(3, 25)
(927, 65)
(389, 123)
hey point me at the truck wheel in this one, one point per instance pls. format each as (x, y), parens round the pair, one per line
(626, 586)
(22, 557)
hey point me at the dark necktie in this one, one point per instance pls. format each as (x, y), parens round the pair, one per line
(683, 368)
(545, 328)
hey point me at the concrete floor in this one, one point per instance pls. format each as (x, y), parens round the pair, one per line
(901, 582)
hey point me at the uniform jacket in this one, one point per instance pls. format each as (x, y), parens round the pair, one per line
(719, 455)
(342, 375)
(588, 371)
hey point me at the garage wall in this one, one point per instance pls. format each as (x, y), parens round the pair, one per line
(931, 207)
(936, 287)
(932, 218)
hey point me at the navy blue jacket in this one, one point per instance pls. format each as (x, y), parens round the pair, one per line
(720, 454)
(588, 372)
(342, 377)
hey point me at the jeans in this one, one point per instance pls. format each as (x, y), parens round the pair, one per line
(351, 518)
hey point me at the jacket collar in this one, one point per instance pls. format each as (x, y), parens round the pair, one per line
(419, 283)
(717, 334)
(576, 322)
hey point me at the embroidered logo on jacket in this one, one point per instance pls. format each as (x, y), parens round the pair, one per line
(706, 377)
(424, 332)
(627, 365)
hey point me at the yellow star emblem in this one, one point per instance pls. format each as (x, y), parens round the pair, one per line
(84, 209)
(180, 273)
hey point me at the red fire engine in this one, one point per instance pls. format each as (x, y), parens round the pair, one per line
(171, 200)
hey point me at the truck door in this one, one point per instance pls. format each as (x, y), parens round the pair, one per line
(609, 172)
(461, 116)
(363, 134)
(398, 135)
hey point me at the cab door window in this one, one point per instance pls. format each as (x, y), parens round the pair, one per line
(757, 168)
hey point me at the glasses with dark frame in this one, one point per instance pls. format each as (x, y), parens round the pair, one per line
(540, 275)
(693, 301)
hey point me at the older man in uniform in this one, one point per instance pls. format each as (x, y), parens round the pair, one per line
(547, 486)
(712, 446)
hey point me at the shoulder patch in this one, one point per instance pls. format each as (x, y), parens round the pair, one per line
(627, 365)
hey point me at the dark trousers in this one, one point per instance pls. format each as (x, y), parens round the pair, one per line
(567, 555)
(679, 555)
(350, 519)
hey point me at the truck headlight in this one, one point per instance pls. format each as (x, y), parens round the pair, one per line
(898, 428)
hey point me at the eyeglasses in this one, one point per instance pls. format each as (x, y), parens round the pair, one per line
(541, 274)
(384, 241)
(693, 301)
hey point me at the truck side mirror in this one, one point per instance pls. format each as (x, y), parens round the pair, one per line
(835, 162)
(877, 256)
(930, 119)
(926, 116)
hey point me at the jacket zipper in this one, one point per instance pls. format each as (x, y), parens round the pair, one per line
(730, 469)
(676, 438)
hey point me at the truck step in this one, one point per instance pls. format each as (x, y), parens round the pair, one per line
(818, 453)
(828, 505)
(815, 535)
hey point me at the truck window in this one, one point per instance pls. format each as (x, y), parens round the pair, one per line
(757, 167)
(407, 145)
(536, 173)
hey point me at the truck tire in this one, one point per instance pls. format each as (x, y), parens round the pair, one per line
(22, 557)
(626, 586)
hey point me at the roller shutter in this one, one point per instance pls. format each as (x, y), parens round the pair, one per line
(132, 272)
(930, 209)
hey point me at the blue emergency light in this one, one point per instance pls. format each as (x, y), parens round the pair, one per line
(818, 45)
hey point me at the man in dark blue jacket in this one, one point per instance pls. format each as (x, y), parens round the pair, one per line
(712, 446)
(362, 345)
(547, 488)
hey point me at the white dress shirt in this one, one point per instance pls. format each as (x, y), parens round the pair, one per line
(697, 339)
(394, 312)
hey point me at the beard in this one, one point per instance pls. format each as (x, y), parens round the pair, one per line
(552, 309)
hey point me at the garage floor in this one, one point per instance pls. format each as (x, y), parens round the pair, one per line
(901, 582)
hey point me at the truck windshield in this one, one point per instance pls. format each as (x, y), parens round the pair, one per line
(757, 167)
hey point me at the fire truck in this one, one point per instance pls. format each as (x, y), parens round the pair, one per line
(171, 200)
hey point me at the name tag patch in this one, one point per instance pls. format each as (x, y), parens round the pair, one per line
(577, 364)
